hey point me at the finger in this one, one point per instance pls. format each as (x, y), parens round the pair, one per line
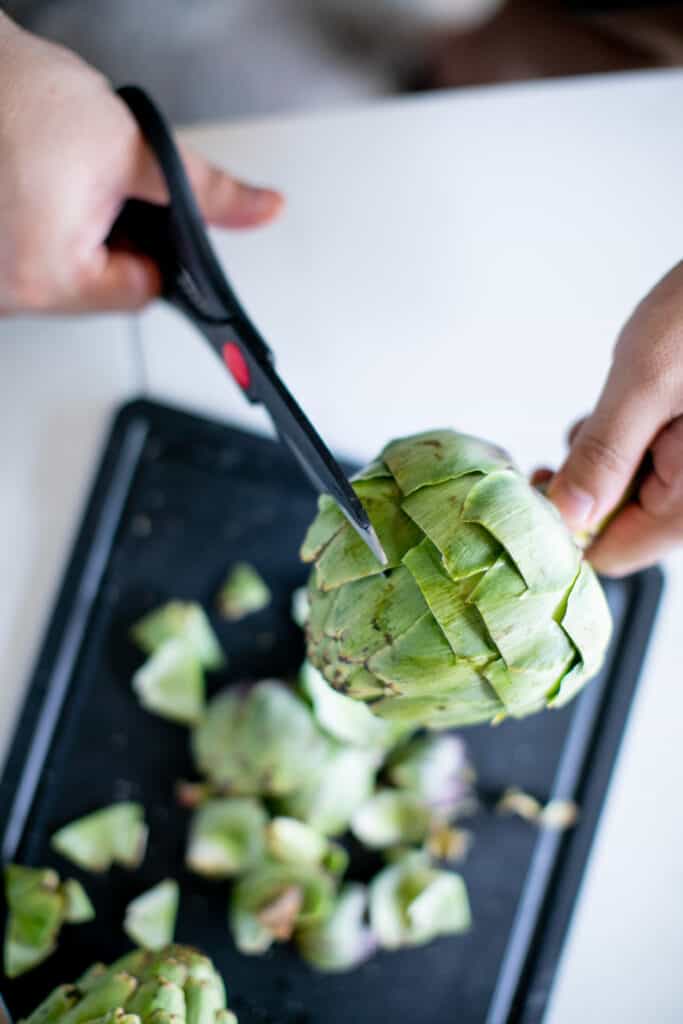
(223, 200)
(607, 449)
(642, 532)
(115, 281)
(574, 429)
(633, 540)
(661, 494)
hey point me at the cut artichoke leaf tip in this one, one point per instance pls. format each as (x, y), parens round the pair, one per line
(243, 593)
(171, 683)
(185, 621)
(412, 903)
(227, 836)
(391, 817)
(343, 940)
(150, 918)
(269, 902)
(77, 906)
(116, 834)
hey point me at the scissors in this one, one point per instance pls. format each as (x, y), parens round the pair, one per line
(194, 282)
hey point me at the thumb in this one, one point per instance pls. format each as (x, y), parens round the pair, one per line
(606, 450)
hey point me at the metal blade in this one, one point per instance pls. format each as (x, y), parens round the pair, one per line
(313, 455)
(349, 503)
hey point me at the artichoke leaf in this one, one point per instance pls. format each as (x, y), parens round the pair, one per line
(461, 623)
(243, 593)
(528, 527)
(435, 456)
(171, 683)
(467, 548)
(324, 527)
(150, 922)
(368, 613)
(342, 940)
(420, 663)
(226, 837)
(180, 620)
(587, 621)
(347, 557)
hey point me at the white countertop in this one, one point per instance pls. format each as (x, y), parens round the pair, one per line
(461, 259)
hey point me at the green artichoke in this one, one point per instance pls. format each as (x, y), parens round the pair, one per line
(150, 919)
(180, 620)
(486, 607)
(412, 902)
(243, 593)
(342, 940)
(227, 836)
(175, 986)
(38, 905)
(274, 899)
(258, 740)
(116, 834)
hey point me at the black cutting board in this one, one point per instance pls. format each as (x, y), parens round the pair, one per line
(177, 500)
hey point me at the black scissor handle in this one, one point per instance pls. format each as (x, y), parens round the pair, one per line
(174, 235)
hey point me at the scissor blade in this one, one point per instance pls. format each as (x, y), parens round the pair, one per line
(358, 518)
(315, 458)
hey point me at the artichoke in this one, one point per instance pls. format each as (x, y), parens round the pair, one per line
(150, 919)
(243, 593)
(329, 799)
(274, 899)
(342, 940)
(435, 768)
(180, 620)
(258, 740)
(292, 842)
(171, 683)
(391, 817)
(347, 720)
(486, 607)
(412, 903)
(226, 837)
(116, 834)
(175, 986)
(38, 905)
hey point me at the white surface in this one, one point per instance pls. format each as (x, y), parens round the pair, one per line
(465, 260)
(59, 383)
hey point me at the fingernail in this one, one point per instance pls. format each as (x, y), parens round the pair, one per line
(575, 504)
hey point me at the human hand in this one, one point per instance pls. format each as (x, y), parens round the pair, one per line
(639, 414)
(71, 154)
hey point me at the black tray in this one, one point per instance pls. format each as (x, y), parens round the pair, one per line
(176, 501)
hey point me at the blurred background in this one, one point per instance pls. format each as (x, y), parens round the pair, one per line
(212, 59)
